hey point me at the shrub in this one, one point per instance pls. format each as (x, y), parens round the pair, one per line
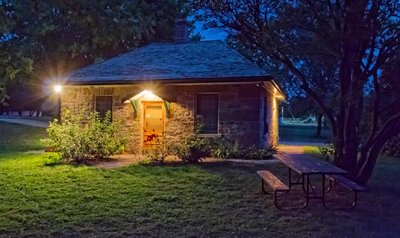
(225, 148)
(80, 137)
(259, 153)
(191, 149)
(327, 152)
(158, 152)
(52, 159)
(392, 147)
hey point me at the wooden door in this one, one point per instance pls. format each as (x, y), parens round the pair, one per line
(153, 123)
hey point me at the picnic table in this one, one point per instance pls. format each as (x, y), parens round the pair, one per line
(306, 166)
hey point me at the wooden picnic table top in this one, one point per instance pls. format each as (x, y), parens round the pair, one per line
(304, 164)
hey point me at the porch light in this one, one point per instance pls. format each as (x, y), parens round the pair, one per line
(149, 95)
(57, 88)
(146, 95)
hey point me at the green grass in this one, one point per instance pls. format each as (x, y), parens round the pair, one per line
(14, 137)
(312, 150)
(216, 199)
(303, 134)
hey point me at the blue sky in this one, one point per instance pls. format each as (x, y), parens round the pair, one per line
(210, 34)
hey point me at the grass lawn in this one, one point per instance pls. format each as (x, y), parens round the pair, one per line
(218, 199)
(14, 137)
(303, 134)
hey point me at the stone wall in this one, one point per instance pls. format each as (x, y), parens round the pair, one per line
(240, 110)
(272, 128)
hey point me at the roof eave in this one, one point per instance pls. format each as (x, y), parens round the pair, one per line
(172, 81)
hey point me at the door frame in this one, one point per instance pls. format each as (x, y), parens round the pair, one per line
(145, 104)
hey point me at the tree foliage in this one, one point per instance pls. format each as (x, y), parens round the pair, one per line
(46, 39)
(358, 38)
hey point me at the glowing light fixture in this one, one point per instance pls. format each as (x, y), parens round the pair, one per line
(57, 88)
(146, 95)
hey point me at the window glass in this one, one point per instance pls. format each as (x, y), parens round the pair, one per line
(103, 105)
(207, 113)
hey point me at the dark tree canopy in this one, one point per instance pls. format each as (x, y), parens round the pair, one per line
(357, 39)
(45, 39)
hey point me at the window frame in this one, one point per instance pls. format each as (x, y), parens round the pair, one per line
(208, 134)
(112, 105)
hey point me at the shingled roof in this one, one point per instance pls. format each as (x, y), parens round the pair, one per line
(191, 61)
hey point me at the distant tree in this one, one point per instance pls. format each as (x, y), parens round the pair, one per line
(360, 37)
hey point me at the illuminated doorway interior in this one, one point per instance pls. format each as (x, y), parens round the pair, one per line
(153, 123)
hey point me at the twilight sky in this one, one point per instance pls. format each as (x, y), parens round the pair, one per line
(210, 34)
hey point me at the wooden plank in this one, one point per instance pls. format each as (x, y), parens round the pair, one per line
(304, 164)
(272, 180)
(347, 183)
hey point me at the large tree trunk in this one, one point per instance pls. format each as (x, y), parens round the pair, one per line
(319, 125)
(370, 152)
(363, 172)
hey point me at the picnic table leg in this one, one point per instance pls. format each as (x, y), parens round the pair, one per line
(297, 181)
(355, 199)
(323, 190)
(307, 189)
(263, 188)
(330, 186)
(302, 183)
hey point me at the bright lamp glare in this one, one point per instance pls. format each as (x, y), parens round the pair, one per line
(57, 88)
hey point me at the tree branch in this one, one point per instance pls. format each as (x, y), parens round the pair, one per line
(287, 62)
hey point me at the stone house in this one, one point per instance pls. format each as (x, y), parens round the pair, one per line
(167, 89)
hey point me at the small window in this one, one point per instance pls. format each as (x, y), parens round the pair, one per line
(103, 105)
(207, 113)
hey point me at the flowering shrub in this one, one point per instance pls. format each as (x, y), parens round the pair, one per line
(80, 137)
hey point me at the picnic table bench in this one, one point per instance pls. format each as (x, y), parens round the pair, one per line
(275, 184)
(348, 184)
(306, 166)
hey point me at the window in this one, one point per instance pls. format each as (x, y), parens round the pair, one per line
(103, 105)
(207, 113)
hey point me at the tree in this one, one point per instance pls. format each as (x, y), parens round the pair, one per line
(323, 76)
(46, 39)
(358, 37)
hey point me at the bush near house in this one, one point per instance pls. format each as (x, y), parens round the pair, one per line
(193, 148)
(83, 137)
(79, 137)
(226, 148)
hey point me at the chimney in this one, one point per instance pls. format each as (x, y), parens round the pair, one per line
(181, 30)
